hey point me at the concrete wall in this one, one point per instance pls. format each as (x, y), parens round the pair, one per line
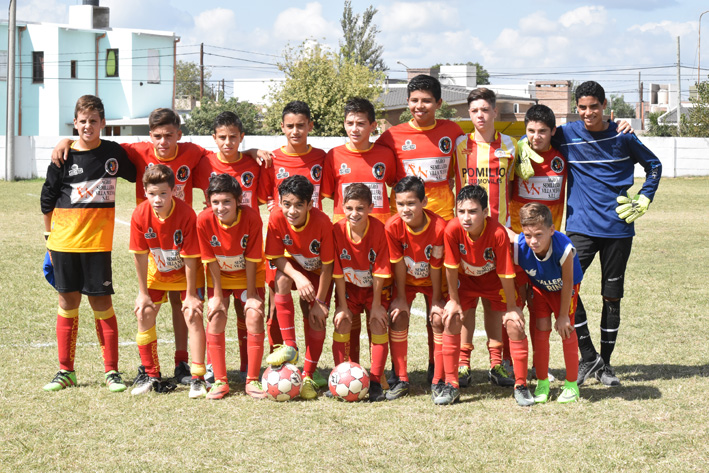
(679, 156)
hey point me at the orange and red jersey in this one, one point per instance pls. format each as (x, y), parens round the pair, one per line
(82, 198)
(245, 170)
(429, 154)
(489, 165)
(420, 251)
(375, 168)
(308, 164)
(167, 241)
(182, 164)
(484, 260)
(362, 261)
(310, 246)
(232, 246)
(547, 186)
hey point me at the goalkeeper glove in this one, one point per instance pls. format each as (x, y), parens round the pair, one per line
(632, 209)
(525, 157)
(48, 269)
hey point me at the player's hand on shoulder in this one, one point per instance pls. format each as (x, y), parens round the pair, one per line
(624, 127)
(60, 152)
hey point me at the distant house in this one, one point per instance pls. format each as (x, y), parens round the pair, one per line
(131, 70)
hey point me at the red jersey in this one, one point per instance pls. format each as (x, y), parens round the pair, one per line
(182, 164)
(310, 246)
(308, 164)
(484, 260)
(362, 261)
(245, 169)
(232, 246)
(167, 241)
(547, 186)
(489, 165)
(421, 251)
(428, 154)
(375, 167)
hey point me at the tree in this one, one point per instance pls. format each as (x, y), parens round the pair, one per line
(359, 38)
(654, 128)
(444, 112)
(621, 109)
(482, 77)
(324, 81)
(187, 79)
(696, 122)
(201, 118)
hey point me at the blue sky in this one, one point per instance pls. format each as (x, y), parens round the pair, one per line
(515, 41)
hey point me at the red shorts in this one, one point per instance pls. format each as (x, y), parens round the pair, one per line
(469, 292)
(359, 299)
(545, 303)
(239, 294)
(427, 292)
(314, 280)
(160, 296)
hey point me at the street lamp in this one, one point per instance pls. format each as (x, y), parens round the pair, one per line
(699, 47)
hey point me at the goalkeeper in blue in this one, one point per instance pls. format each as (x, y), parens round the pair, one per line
(600, 214)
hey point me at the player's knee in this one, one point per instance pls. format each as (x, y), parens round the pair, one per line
(543, 324)
(437, 323)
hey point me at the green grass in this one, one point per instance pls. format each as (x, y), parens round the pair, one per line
(658, 420)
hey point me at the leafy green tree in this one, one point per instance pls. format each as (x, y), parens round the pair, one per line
(482, 77)
(621, 109)
(696, 122)
(655, 128)
(202, 117)
(325, 81)
(187, 79)
(445, 112)
(359, 42)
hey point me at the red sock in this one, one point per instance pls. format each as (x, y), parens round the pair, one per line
(495, 349)
(505, 345)
(207, 357)
(431, 343)
(465, 351)
(107, 331)
(286, 318)
(399, 341)
(380, 350)
(354, 337)
(541, 354)
(438, 368)
(273, 331)
(243, 352)
(571, 356)
(314, 341)
(451, 355)
(340, 347)
(180, 356)
(254, 342)
(67, 328)
(216, 350)
(520, 357)
(532, 329)
(148, 349)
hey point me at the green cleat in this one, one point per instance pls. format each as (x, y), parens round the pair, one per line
(397, 391)
(283, 354)
(115, 382)
(320, 381)
(63, 379)
(498, 375)
(541, 392)
(465, 376)
(309, 390)
(569, 393)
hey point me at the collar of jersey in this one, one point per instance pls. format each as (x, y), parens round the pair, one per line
(349, 148)
(547, 256)
(221, 159)
(236, 222)
(172, 209)
(177, 151)
(425, 128)
(349, 232)
(77, 149)
(428, 222)
(307, 220)
(481, 233)
(283, 150)
(494, 138)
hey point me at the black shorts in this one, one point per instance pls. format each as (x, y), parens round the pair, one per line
(614, 254)
(88, 273)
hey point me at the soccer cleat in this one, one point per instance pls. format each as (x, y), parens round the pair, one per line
(507, 365)
(209, 375)
(532, 375)
(219, 390)
(399, 390)
(320, 381)
(436, 390)
(141, 373)
(449, 395)
(376, 392)
(144, 383)
(429, 373)
(328, 394)
(63, 379)
(465, 376)
(569, 393)
(541, 392)
(587, 368)
(115, 382)
(255, 390)
(309, 390)
(393, 377)
(198, 388)
(523, 396)
(606, 375)
(498, 375)
(183, 375)
(283, 354)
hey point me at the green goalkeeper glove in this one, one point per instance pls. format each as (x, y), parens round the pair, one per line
(632, 209)
(525, 157)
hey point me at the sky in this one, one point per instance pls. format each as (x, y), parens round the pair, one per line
(605, 40)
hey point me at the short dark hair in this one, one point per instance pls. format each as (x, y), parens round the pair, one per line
(540, 113)
(482, 93)
(163, 117)
(472, 192)
(299, 186)
(425, 83)
(411, 184)
(157, 174)
(227, 119)
(296, 107)
(360, 105)
(358, 191)
(224, 184)
(535, 213)
(591, 89)
(89, 103)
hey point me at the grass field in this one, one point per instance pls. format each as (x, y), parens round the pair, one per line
(658, 420)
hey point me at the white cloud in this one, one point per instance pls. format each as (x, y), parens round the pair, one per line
(152, 15)
(219, 26)
(49, 11)
(298, 24)
(585, 17)
(672, 28)
(416, 17)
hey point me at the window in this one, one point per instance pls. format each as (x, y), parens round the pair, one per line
(111, 63)
(3, 65)
(515, 108)
(74, 67)
(38, 67)
(153, 66)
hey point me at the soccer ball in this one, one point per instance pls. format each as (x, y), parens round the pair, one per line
(349, 382)
(282, 383)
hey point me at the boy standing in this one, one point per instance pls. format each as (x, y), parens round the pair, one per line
(78, 202)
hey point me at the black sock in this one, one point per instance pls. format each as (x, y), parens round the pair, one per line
(610, 321)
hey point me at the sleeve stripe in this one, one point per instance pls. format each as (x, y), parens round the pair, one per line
(451, 266)
(139, 252)
(254, 260)
(393, 261)
(383, 276)
(209, 260)
(274, 256)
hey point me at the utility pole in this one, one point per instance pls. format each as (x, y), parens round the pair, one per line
(223, 92)
(641, 104)
(679, 93)
(699, 48)
(201, 71)
(10, 118)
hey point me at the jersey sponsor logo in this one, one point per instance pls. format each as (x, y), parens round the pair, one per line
(419, 270)
(540, 188)
(231, 263)
(484, 175)
(316, 196)
(379, 170)
(472, 270)
(308, 264)
(372, 256)
(437, 251)
(287, 240)
(404, 246)
(445, 144)
(177, 237)
(183, 173)
(167, 260)
(531, 272)
(377, 190)
(282, 173)
(179, 191)
(99, 191)
(358, 277)
(244, 241)
(214, 242)
(461, 248)
(345, 255)
(428, 169)
(247, 179)
(316, 172)
(408, 146)
(246, 198)
(111, 166)
(557, 164)
(344, 169)
(314, 247)
(75, 170)
(271, 265)
(502, 153)
(427, 251)
(489, 254)
(150, 234)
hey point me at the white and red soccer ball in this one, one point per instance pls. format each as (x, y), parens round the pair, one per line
(282, 383)
(349, 382)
